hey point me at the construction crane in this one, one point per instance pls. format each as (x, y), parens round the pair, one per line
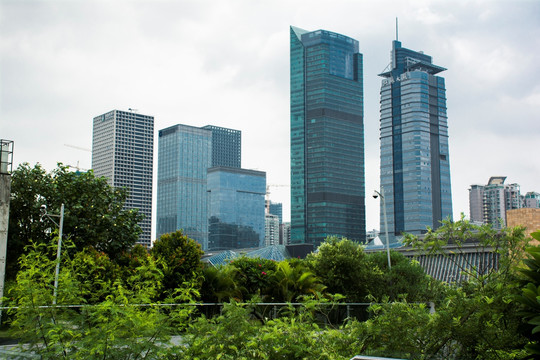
(78, 148)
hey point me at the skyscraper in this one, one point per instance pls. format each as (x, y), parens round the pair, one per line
(236, 208)
(122, 151)
(184, 156)
(327, 137)
(415, 167)
(226, 146)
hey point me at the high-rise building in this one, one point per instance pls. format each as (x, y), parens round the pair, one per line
(476, 204)
(226, 146)
(276, 209)
(415, 167)
(236, 208)
(123, 152)
(271, 230)
(327, 137)
(496, 198)
(184, 156)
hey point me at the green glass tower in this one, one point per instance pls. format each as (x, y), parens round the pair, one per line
(327, 137)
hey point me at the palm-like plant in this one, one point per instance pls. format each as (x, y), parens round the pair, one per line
(292, 279)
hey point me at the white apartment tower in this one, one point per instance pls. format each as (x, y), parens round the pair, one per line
(123, 152)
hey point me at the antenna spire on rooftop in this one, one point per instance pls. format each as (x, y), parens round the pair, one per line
(397, 39)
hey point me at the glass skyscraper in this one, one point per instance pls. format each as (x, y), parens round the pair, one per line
(226, 146)
(236, 210)
(123, 152)
(184, 156)
(327, 137)
(415, 167)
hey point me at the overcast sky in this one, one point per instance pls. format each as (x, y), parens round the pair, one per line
(226, 63)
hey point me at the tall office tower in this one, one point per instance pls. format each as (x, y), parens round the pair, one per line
(236, 208)
(415, 167)
(184, 156)
(123, 152)
(327, 137)
(476, 203)
(226, 146)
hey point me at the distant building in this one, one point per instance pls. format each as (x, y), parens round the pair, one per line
(494, 199)
(415, 160)
(531, 200)
(271, 233)
(476, 204)
(276, 209)
(327, 137)
(236, 208)
(184, 156)
(226, 146)
(123, 152)
(286, 233)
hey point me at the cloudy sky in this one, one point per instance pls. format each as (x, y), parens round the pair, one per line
(226, 63)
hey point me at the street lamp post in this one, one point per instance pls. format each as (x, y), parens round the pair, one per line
(59, 248)
(383, 200)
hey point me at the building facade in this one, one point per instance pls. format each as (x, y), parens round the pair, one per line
(415, 167)
(226, 146)
(527, 217)
(327, 137)
(236, 208)
(476, 204)
(123, 152)
(531, 200)
(184, 156)
(271, 230)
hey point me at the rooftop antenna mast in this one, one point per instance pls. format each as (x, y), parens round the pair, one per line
(397, 29)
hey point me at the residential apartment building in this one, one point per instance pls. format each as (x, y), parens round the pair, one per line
(123, 152)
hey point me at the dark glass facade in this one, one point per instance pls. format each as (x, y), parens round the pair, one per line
(415, 167)
(226, 146)
(236, 208)
(327, 137)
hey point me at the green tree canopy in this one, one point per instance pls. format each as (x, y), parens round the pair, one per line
(94, 212)
(179, 258)
(342, 267)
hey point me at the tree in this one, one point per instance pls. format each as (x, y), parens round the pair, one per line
(253, 276)
(477, 319)
(405, 280)
(343, 269)
(179, 258)
(529, 299)
(94, 212)
(123, 325)
(293, 279)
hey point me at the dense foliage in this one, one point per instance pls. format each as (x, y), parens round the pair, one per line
(94, 212)
(124, 306)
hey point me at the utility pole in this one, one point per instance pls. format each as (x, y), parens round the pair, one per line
(6, 165)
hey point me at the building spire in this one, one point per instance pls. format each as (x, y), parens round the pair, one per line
(397, 39)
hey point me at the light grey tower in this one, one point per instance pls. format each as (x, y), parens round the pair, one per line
(123, 152)
(415, 166)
